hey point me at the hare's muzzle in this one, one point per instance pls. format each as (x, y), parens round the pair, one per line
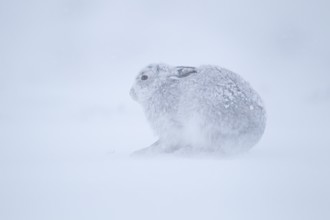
(133, 94)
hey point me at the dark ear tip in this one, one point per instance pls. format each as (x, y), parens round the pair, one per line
(184, 71)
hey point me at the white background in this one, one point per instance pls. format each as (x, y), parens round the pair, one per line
(68, 125)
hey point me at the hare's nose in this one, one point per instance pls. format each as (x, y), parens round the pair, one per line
(133, 94)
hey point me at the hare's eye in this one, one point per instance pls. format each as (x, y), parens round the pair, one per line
(144, 77)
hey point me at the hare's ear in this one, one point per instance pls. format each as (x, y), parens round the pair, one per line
(184, 71)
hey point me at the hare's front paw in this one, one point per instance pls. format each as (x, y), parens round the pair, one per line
(158, 147)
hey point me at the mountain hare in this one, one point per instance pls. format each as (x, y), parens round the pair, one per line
(199, 110)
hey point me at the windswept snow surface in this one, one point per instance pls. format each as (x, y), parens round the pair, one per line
(68, 125)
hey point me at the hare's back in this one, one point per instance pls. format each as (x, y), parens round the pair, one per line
(222, 99)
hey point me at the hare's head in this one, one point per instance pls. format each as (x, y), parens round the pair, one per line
(155, 76)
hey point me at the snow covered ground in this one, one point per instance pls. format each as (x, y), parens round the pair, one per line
(68, 125)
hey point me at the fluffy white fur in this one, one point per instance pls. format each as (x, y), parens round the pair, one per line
(204, 110)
